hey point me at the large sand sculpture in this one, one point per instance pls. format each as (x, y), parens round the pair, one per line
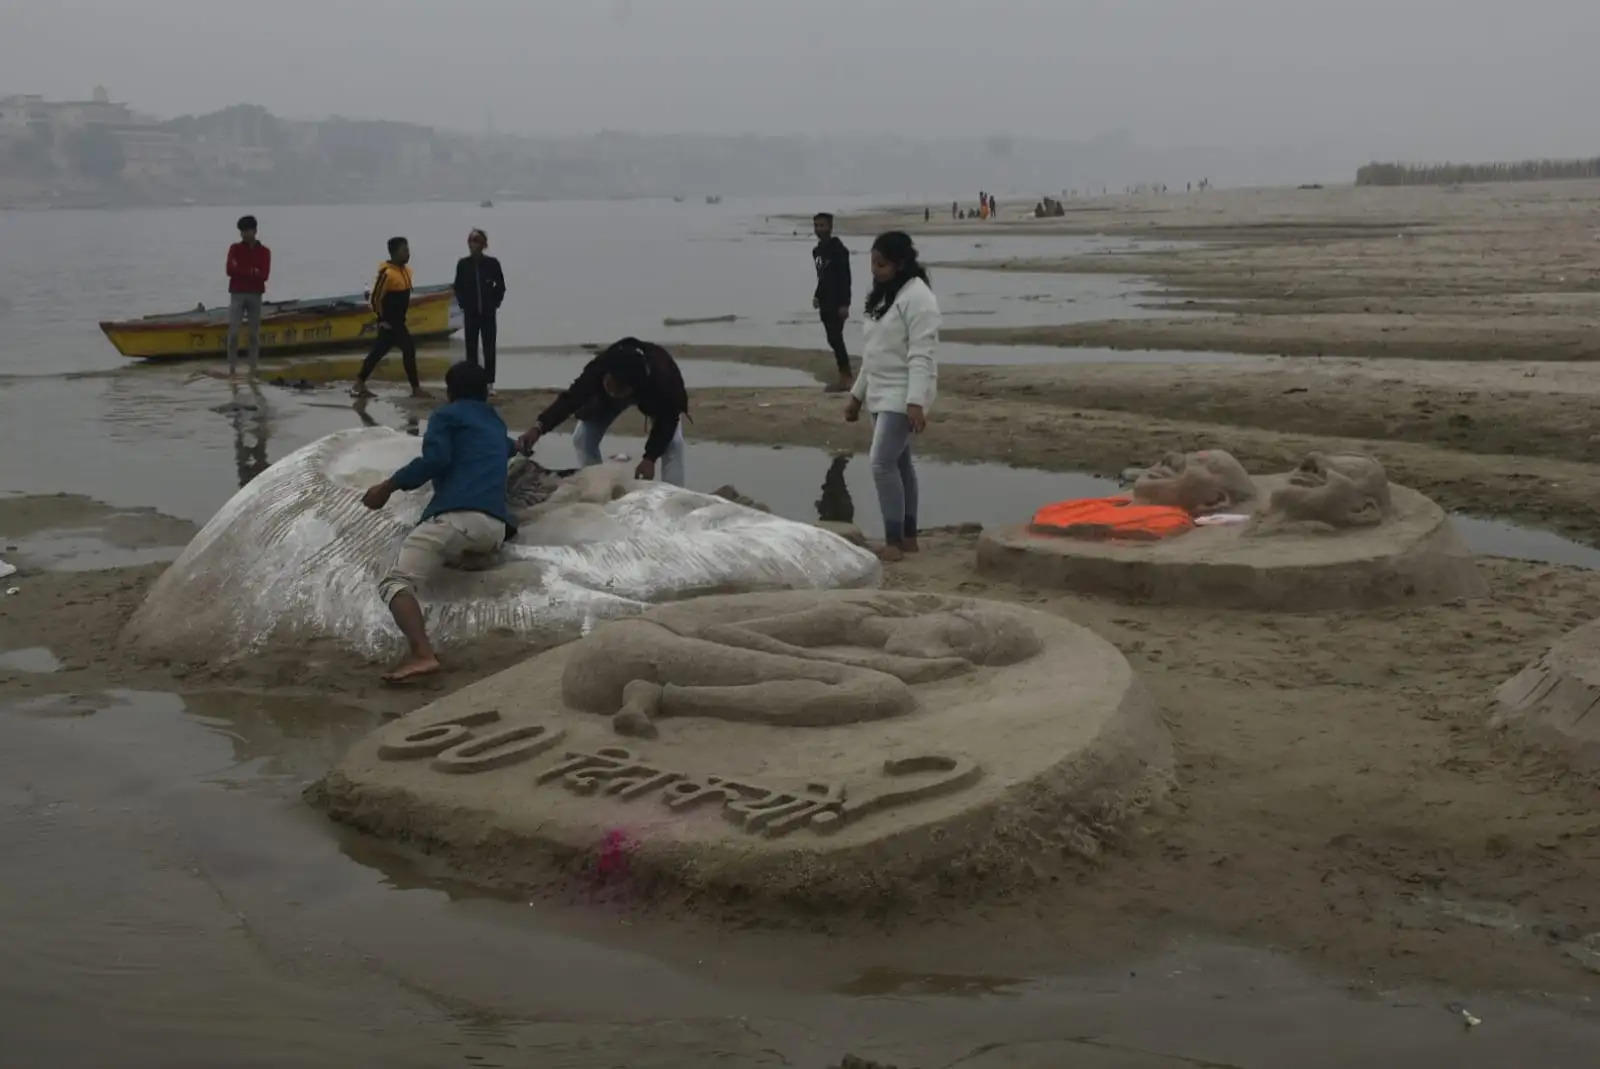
(789, 744)
(294, 556)
(1555, 701)
(1332, 534)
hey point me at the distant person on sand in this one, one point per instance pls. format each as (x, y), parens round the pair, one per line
(480, 287)
(955, 209)
(832, 296)
(898, 381)
(249, 264)
(629, 373)
(391, 299)
(994, 208)
(464, 454)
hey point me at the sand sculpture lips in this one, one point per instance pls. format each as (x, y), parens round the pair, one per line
(294, 556)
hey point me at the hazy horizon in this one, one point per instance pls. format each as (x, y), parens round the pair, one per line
(1412, 79)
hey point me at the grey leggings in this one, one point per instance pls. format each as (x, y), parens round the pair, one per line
(894, 475)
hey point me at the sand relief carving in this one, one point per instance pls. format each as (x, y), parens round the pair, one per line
(756, 807)
(830, 664)
(1330, 491)
(1201, 483)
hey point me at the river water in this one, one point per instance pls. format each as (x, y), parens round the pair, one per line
(168, 898)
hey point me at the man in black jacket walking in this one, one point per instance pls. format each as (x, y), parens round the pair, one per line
(832, 297)
(480, 287)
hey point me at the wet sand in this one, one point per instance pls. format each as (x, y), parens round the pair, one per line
(1338, 794)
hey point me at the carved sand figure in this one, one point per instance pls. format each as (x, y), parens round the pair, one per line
(835, 663)
(1335, 490)
(1202, 482)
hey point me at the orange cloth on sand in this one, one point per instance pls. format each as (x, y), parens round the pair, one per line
(1111, 517)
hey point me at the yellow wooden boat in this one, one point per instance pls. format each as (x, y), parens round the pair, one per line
(317, 325)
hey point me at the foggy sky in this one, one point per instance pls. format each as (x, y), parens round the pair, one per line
(1419, 79)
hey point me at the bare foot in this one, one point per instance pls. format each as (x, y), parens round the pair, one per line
(910, 545)
(419, 392)
(891, 554)
(360, 390)
(412, 668)
(633, 723)
(641, 703)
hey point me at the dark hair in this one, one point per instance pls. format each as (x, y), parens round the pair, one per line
(246, 222)
(823, 215)
(646, 368)
(896, 247)
(395, 243)
(477, 232)
(466, 381)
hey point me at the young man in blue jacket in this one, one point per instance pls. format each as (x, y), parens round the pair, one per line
(464, 454)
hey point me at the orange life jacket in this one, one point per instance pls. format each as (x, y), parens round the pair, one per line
(1111, 517)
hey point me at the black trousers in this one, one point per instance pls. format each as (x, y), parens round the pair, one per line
(388, 339)
(481, 326)
(833, 323)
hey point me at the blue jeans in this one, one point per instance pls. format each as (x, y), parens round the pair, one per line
(586, 437)
(894, 475)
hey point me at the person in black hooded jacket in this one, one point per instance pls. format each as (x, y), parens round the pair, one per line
(480, 287)
(631, 373)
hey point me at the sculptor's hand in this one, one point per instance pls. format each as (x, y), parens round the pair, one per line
(646, 469)
(844, 312)
(918, 418)
(378, 496)
(529, 438)
(815, 303)
(852, 410)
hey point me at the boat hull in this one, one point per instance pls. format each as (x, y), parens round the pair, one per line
(290, 327)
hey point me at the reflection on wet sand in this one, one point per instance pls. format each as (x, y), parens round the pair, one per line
(835, 506)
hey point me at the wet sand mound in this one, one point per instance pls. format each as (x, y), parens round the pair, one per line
(294, 557)
(823, 747)
(1556, 699)
(1416, 557)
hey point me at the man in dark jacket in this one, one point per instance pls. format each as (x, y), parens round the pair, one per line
(832, 297)
(629, 373)
(464, 454)
(480, 287)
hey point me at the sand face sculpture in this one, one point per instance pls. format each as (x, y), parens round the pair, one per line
(834, 743)
(1336, 490)
(295, 557)
(1332, 534)
(1202, 483)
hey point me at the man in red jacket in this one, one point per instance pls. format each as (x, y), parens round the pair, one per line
(249, 264)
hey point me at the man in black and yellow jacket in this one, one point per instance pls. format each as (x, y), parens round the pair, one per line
(391, 298)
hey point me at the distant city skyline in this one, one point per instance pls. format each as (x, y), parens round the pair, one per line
(1411, 79)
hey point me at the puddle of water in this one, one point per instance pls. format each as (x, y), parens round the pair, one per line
(85, 550)
(34, 660)
(1497, 538)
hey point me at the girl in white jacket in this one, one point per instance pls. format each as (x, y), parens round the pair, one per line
(897, 382)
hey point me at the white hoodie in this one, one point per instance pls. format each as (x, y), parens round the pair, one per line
(897, 367)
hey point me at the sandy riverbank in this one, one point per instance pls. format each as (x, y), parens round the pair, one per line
(1508, 271)
(1338, 795)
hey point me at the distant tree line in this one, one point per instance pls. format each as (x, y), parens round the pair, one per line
(1444, 174)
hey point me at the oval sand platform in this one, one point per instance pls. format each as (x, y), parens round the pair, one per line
(1556, 699)
(1414, 557)
(827, 746)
